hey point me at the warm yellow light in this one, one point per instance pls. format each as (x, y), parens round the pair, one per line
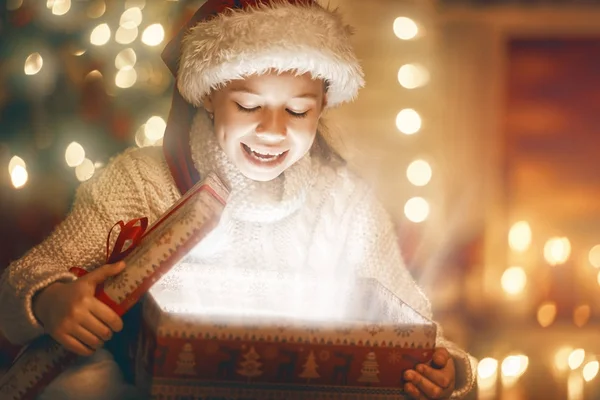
(126, 36)
(131, 18)
(49, 3)
(514, 366)
(33, 64)
(576, 358)
(135, 3)
(126, 78)
(19, 176)
(419, 173)
(96, 9)
(100, 35)
(416, 209)
(126, 59)
(590, 370)
(85, 170)
(557, 250)
(487, 367)
(519, 236)
(546, 314)
(514, 280)
(408, 121)
(155, 128)
(153, 35)
(61, 7)
(594, 256)
(74, 155)
(581, 315)
(561, 358)
(405, 28)
(575, 385)
(14, 161)
(412, 76)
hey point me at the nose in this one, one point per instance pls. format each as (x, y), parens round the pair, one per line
(272, 125)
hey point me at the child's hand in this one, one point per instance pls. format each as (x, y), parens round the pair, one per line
(74, 317)
(432, 382)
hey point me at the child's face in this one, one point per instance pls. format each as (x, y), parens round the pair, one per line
(266, 123)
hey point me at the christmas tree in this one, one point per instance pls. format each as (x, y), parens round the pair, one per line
(250, 365)
(310, 368)
(186, 361)
(370, 369)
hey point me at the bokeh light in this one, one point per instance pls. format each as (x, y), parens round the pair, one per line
(154, 129)
(153, 35)
(408, 121)
(126, 78)
(519, 236)
(419, 173)
(557, 250)
(19, 176)
(576, 358)
(590, 370)
(581, 315)
(487, 367)
(412, 76)
(416, 209)
(131, 18)
(61, 7)
(594, 256)
(126, 59)
(33, 64)
(85, 170)
(74, 155)
(546, 314)
(405, 28)
(100, 35)
(514, 280)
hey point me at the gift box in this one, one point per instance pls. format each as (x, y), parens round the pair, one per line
(149, 252)
(358, 345)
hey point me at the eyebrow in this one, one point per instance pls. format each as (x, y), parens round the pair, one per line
(304, 95)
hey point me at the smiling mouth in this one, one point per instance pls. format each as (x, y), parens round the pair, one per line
(264, 157)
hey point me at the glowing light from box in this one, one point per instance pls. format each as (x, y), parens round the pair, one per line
(33, 64)
(594, 256)
(85, 170)
(487, 367)
(126, 78)
(546, 314)
(576, 358)
(19, 176)
(416, 209)
(126, 36)
(14, 161)
(12, 5)
(412, 76)
(155, 128)
(575, 387)
(100, 35)
(135, 3)
(408, 121)
(561, 358)
(581, 315)
(126, 59)
(61, 7)
(96, 9)
(131, 18)
(590, 370)
(519, 236)
(419, 173)
(74, 155)
(153, 35)
(405, 28)
(514, 280)
(557, 250)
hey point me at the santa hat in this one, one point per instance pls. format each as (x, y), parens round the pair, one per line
(230, 39)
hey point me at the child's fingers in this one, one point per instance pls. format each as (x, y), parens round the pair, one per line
(437, 376)
(74, 345)
(87, 338)
(440, 358)
(97, 327)
(106, 315)
(412, 391)
(425, 386)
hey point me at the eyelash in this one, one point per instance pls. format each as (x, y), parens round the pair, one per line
(293, 114)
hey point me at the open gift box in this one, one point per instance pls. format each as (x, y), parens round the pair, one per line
(356, 344)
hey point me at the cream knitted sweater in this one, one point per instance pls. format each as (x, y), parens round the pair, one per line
(316, 216)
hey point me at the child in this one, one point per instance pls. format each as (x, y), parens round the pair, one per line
(256, 76)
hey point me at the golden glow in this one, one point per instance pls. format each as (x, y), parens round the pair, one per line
(546, 314)
(514, 280)
(594, 256)
(561, 358)
(33, 64)
(519, 236)
(590, 370)
(100, 35)
(74, 155)
(576, 358)
(19, 176)
(126, 78)
(419, 173)
(153, 35)
(412, 76)
(85, 170)
(408, 121)
(96, 9)
(61, 7)
(131, 18)
(126, 59)
(557, 250)
(581, 315)
(405, 28)
(126, 36)
(155, 128)
(14, 161)
(416, 209)
(135, 3)
(514, 366)
(487, 368)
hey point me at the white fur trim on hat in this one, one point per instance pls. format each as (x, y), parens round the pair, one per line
(278, 36)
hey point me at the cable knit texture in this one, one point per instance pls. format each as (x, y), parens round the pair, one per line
(314, 219)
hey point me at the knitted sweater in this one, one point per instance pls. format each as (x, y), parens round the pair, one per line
(314, 218)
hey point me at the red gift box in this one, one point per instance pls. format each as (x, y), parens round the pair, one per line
(362, 354)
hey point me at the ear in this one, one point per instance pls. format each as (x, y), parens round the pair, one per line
(208, 104)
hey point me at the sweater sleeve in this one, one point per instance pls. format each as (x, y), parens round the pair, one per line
(113, 194)
(373, 252)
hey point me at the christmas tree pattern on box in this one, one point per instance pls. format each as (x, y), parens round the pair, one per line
(182, 353)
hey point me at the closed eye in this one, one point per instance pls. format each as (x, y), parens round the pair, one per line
(297, 114)
(244, 109)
